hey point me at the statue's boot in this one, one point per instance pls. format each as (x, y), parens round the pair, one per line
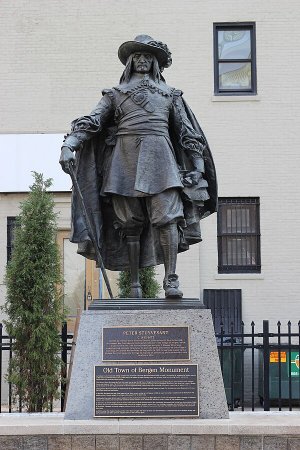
(133, 246)
(171, 285)
(168, 236)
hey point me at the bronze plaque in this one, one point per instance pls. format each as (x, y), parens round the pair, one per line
(140, 343)
(146, 390)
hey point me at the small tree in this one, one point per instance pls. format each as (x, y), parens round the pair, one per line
(150, 286)
(34, 301)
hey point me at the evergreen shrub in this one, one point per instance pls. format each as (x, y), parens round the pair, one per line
(150, 286)
(34, 301)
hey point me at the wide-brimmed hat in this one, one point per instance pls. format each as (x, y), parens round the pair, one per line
(144, 43)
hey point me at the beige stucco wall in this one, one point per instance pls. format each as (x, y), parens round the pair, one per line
(10, 207)
(57, 57)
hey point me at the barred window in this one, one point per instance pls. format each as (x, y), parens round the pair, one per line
(238, 235)
(11, 224)
(235, 58)
(226, 308)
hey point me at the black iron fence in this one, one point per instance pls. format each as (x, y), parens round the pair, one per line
(260, 368)
(6, 404)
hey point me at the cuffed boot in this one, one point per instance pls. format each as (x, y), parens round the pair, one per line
(136, 291)
(171, 285)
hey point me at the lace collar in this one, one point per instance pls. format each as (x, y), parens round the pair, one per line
(145, 83)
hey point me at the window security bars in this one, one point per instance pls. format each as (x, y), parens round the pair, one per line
(11, 224)
(234, 58)
(239, 235)
(226, 308)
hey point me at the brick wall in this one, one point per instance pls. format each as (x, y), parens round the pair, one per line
(149, 442)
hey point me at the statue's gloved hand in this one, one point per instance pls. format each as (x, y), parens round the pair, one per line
(192, 178)
(67, 157)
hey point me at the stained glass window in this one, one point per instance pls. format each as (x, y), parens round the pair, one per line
(235, 65)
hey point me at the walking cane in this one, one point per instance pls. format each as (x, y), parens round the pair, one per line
(90, 229)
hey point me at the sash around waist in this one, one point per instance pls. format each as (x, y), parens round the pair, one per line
(164, 133)
(141, 124)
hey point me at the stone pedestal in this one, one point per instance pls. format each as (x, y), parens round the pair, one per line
(203, 351)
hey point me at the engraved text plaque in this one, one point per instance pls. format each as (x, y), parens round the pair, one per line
(146, 343)
(146, 390)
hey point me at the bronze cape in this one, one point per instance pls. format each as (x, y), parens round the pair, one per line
(91, 163)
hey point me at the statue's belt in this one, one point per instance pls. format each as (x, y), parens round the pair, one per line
(132, 126)
(141, 98)
(141, 133)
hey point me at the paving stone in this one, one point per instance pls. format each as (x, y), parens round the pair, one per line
(275, 443)
(203, 442)
(11, 442)
(227, 442)
(59, 442)
(294, 444)
(35, 443)
(176, 442)
(251, 443)
(83, 442)
(107, 442)
(155, 442)
(131, 442)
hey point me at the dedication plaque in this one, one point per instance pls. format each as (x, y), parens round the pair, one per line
(146, 390)
(146, 343)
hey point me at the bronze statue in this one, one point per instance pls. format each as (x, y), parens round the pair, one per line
(144, 168)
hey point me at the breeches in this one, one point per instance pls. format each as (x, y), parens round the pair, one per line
(133, 213)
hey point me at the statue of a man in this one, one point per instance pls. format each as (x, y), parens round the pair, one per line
(144, 167)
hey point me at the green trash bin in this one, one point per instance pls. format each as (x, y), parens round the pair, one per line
(235, 353)
(285, 375)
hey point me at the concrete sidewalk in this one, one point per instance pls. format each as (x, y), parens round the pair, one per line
(239, 423)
